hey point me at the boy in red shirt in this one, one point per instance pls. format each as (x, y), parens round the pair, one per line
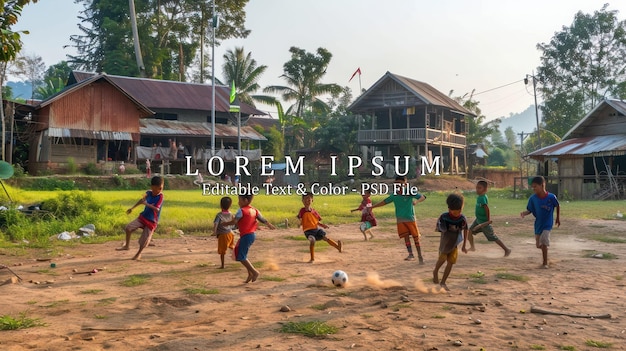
(310, 221)
(368, 221)
(246, 219)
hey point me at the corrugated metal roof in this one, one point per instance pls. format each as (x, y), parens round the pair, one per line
(422, 90)
(150, 126)
(91, 134)
(165, 94)
(604, 145)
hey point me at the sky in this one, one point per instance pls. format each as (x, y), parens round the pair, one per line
(484, 46)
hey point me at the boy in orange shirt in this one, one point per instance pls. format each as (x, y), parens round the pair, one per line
(310, 221)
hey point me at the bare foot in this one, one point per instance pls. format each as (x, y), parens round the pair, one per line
(311, 261)
(371, 237)
(123, 248)
(255, 275)
(222, 267)
(339, 246)
(435, 277)
(444, 286)
(137, 258)
(472, 248)
(249, 278)
(507, 252)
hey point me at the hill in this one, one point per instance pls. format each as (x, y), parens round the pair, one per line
(524, 121)
(21, 90)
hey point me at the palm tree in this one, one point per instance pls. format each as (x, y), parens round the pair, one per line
(243, 70)
(303, 73)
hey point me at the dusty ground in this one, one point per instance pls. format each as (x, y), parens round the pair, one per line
(399, 310)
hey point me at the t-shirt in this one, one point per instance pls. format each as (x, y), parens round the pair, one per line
(543, 210)
(150, 217)
(247, 219)
(404, 206)
(481, 212)
(309, 218)
(451, 229)
(367, 214)
(220, 218)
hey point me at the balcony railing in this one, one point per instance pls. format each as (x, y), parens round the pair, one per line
(392, 136)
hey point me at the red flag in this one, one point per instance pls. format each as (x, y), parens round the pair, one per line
(358, 70)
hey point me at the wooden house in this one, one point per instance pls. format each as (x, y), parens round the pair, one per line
(591, 158)
(125, 119)
(403, 116)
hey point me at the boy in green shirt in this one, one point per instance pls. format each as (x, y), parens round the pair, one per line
(482, 223)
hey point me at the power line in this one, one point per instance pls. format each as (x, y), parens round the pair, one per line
(500, 87)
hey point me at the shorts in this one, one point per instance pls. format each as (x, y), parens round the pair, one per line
(243, 245)
(318, 234)
(365, 226)
(225, 241)
(543, 238)
(487, 230)
(450, 257)
(146, 235)
(408, 228)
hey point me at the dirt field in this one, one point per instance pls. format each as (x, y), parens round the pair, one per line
(389, 304)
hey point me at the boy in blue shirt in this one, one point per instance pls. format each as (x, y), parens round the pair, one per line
(148, 218)
(453, 228)
(542, 204)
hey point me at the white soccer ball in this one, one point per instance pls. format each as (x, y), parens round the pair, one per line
(340, 279)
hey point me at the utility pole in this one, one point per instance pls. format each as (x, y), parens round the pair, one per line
(213, 28)
(534, 78)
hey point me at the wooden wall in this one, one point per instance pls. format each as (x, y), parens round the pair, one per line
(571, 167)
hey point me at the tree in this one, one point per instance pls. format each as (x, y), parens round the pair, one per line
(242, 69)
(510, 137)
(303, 74)
(54, 80)
(31, 68)
(497, 157)
(582, 64)
(497, 140)
(170, 35)
(340, 132)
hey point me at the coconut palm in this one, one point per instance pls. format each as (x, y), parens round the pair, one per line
(303, 73)
(242, 69)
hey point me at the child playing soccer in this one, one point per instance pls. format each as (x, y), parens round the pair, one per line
(405, 218)
(246, 219)
(368, 221)
(148, 218)
(453, 228)
(225, 237)
(311, 221)
(542, 204)
(483, 215)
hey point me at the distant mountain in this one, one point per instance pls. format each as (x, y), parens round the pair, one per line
(524, 121)
(21, 90)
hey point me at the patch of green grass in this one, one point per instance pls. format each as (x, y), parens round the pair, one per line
(400, 306)
(567, 348)
(272, 279)
(446, 307)
(600, 255)
(296, 237)
(608, 239)
(258, 264)
(167, 262)
(438, 316)
(202, 265)
(57, 303)
(478, 278)
(367, 315)
(311, 329)
(31, 302)
(91, 291)
(537, 347)
(598, 344)
(510, 276)
(619, 277)
(319, 307)
(100, 316)
(135, 280)
(21, 322)
(201, 291)
(107, 301)
(47, 271)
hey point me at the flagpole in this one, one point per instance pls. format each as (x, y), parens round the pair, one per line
(360, 89)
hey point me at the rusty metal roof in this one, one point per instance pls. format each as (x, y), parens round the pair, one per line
(91, 134)
(604, 145)
(151, 126)
(423, 91)
(165, 94)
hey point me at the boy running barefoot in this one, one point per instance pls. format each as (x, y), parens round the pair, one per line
(453, 228)
(542, 204)
(311, 221)
(224, 233)
(148, 218)
(368, 221)
(482, 223)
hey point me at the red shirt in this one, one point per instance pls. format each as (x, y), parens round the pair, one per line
(247, 219)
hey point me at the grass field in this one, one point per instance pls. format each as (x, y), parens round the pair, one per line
(191, 212)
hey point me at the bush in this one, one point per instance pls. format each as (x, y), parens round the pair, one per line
(91, 169)
(72, 168)
(52, 184)
(18, 171)
(72, 204)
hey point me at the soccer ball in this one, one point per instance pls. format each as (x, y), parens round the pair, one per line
(340, 278)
